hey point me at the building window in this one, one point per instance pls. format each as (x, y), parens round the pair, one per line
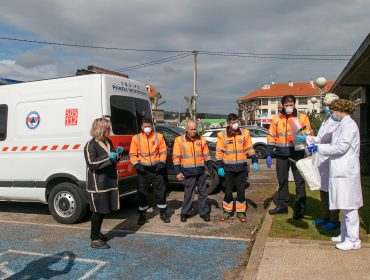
(302, 101)
(273, 112)
(273, 100)
(264, 101)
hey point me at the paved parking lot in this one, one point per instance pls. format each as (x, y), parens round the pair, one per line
(33, 245)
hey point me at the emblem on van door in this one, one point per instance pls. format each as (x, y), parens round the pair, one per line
(33, 120)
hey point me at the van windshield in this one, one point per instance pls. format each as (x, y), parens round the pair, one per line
(127, 113)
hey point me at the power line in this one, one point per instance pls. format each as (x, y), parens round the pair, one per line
(163, 60)
(273, 54)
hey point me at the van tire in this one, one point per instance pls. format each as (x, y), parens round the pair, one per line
(260, 151)
(67, 204)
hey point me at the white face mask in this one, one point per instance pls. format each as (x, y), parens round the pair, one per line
(147, 130)
(235, 126)
(289, 110)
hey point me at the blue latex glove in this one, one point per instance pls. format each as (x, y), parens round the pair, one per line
(112, 155)
(300, 138)
(313, 148)
(221, 172)
(268, 161)
(119, 150)
(255, 166)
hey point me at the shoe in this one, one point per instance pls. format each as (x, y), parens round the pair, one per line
(103, 237)
(321, 221)
(331, 226)
(142, 219)
(337, 238)
(242, 217)
(225, 216)
(99, 244)
(164, 217)
(206, 217)
(297, 216)
(278, 210)
(183, 218)
(347, 245)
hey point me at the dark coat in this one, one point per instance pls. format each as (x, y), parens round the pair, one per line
(101, 184)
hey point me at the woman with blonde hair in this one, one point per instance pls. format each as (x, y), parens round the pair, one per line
(102, 184)
(345, 178)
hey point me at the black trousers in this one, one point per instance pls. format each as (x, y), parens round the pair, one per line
(148, 180)
(283, 163)
(239, 179)
(191, 183)
(96, 222)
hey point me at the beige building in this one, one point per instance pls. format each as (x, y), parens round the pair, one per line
(259, 106)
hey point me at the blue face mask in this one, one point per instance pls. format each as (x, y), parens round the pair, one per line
(335, 118)
(326, 110)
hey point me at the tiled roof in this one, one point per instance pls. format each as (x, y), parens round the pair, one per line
(293, 88)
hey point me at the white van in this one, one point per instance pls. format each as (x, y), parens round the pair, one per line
(44, 126)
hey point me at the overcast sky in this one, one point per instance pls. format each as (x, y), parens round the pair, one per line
(237, 26)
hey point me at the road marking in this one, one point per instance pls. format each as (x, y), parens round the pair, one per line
(132, 231)
(99, 264)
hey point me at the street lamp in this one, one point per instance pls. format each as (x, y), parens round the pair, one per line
(313, 101)
(320, 83)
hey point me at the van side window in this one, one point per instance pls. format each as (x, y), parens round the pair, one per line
(142, 108)
(3, 121)
(123, 115)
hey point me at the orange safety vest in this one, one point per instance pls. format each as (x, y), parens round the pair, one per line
(148, 150)
(233, 148)
(280, 134)
(190, 153)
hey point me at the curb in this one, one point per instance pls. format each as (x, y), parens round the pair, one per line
(250, 273)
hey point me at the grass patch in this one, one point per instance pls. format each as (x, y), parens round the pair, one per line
(283, 226)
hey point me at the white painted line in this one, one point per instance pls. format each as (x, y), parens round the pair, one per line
(99, 264)
(133, 232)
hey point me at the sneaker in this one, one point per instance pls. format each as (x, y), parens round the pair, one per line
(99, 244)
(103, 237)
(206, 217)
(337, 238)
(164, 217)
(347, 245)
(142, 219)
(331, 226)
(278, 210)
(241, 217)
(321, 221)
(183, 218)
(225, 216)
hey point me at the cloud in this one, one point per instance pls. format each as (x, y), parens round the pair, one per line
(284, 26)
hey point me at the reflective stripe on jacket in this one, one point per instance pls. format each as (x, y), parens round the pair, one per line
(232, 149)
(280, 139)
(148, 150)
(190, 154)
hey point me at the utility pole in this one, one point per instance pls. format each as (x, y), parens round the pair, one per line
(195, 93)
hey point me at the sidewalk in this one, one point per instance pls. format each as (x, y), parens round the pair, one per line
(280, 258)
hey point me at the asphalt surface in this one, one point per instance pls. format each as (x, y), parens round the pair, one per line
(34, 246)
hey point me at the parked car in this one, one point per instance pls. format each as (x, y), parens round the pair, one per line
(258, 135)
(170, 132)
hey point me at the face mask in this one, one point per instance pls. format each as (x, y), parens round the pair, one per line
(326, 110)
(147, 130)
(289, 110)
(235, 126)
(335, 117)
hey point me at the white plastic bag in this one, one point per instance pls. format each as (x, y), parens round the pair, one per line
(309, 171)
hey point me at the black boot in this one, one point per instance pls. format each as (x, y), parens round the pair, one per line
(164, 216)
(142, 218)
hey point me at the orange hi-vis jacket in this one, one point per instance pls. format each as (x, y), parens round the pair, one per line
(148, 150)
(232, 149)
(190, 154)
(280, 139)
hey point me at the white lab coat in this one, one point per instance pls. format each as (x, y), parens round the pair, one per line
(345, 178)
(324, 137)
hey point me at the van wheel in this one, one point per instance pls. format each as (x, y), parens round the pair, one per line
(212, 181)
(260, 151)
(67, 204)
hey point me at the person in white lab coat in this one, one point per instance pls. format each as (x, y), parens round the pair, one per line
(345, 178)
(330, 218)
